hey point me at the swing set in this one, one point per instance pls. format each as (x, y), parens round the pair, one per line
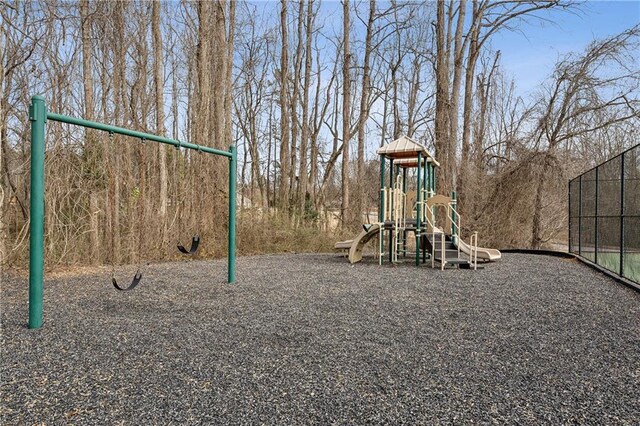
(38, 115)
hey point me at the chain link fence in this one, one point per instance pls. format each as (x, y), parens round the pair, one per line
(604, 215)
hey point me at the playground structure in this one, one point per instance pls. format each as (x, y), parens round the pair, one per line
(38, 115)
(400, 213)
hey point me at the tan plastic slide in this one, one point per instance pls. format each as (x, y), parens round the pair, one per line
(483, 253)
(490, 255)
(356, 245)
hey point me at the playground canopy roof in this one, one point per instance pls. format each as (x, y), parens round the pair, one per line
(405, 148)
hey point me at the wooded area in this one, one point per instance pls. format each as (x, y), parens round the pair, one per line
(306, 90)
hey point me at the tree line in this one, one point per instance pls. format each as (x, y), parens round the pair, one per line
(307, 90)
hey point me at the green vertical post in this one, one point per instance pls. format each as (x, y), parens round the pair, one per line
(38, 118)
(433, 178)
(425, 167)
(404, 180)
(418, 210)
(622, 242)
(232, 214)
(454, 218)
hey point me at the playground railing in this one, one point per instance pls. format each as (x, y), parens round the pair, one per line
(473, 256)
(455, 223)
(431, 223)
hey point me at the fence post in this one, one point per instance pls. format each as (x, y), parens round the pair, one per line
(231, 267)
(595, 237)
(569, 216)
(580, 216)
(38, 118)
(622, 215)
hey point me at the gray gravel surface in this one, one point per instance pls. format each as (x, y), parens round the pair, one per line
(311, 339)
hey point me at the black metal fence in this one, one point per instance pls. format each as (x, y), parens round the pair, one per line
(604, 215)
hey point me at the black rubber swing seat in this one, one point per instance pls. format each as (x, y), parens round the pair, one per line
(136, 280)
(195, 242)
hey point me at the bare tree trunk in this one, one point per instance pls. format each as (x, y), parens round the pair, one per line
(414, 89)
(295, 99)
(229, 77)
(458, 56)
(346, 115)
(483, 94)
(90, 143)
(85, 29)
(442, 99)
(220, 76)
(536, 229)
(364, 108)
(119, 82)
(472, 59)
(305, 111)
(158, 82)
(284, 113)
(3, 194)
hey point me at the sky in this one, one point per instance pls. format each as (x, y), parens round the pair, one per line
(529, 56)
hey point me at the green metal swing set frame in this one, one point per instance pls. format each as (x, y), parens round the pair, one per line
(38, 115)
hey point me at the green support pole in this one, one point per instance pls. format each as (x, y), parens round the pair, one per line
(404, 180)
(38, 118)
(433, 178)
(418, 210)
(425, 168)
(233, 161)
(390, 172)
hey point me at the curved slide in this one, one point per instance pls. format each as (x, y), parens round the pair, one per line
(356, 245)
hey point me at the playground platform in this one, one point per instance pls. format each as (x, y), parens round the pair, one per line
(312, 339)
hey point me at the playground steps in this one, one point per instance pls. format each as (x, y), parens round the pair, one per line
(451, 251)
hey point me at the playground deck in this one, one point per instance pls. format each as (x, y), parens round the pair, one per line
(311, 339)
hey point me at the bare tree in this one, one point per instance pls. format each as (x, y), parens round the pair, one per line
(346, 113)
(593, 91)
(285, 155)
(158, 83)
(304, 142)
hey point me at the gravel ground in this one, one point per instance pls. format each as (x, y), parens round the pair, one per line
(311, 339)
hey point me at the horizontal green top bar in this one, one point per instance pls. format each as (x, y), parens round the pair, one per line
(135, 134)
